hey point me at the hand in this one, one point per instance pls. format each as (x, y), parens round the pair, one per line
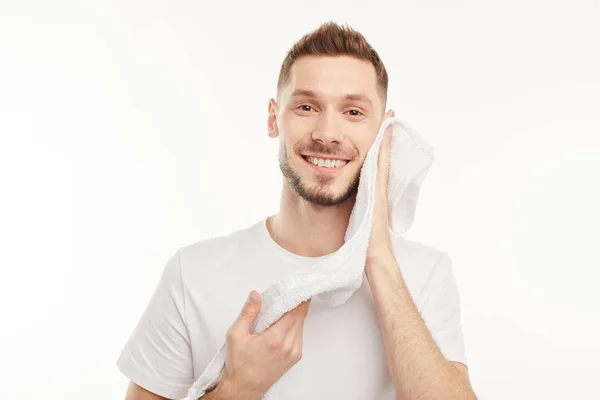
(256, 361)
(380, 242)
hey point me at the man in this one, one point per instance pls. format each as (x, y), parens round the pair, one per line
(398, 337)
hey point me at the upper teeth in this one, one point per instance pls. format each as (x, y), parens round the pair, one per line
(322, 162)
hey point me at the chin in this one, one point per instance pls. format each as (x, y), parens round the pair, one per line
(326, 195)
(319, 187)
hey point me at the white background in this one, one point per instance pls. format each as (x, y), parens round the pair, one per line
(130, 129)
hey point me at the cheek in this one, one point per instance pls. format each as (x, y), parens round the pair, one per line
(296, 126)
(363, 147)
(286, 147)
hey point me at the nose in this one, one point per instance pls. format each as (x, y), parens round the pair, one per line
(326, 130)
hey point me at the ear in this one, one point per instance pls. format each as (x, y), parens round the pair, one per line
(272, 119)
(389, 114)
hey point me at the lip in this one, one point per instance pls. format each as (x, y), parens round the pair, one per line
(324, 169)
(325, 157)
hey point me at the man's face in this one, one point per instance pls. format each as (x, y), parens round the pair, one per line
(328, 117)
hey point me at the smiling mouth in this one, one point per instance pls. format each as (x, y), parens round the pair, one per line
(325, 163)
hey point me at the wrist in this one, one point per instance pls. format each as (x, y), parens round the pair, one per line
(221, 391)
(382, 255)
(226, 389)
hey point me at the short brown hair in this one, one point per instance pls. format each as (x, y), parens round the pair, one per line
(331, 39)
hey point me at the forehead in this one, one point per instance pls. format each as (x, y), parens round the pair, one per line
(333, 77)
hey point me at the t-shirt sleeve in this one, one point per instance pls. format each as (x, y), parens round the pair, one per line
(440, 309)
(158, 354)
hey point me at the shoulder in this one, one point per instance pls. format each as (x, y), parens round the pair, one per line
(420, 264)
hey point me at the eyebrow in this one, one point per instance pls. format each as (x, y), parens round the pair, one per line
(351, 96)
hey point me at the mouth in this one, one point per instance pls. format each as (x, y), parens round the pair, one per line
(327, 165)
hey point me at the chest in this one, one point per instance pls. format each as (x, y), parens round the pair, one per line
(343, 352)
(343, 355)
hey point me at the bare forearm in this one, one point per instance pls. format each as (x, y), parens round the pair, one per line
(226, 390)
(215, 395)
(418, 369)
(220, 392)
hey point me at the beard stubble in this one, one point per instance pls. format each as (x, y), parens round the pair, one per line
(321, 194)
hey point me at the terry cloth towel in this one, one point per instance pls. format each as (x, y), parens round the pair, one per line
(337, 277)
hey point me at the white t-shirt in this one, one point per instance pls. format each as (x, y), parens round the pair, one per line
(205, 285)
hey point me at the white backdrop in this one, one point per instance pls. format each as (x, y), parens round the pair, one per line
(130, 129)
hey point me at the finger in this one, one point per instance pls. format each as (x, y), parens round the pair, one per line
(297, 326)
(385, 143)
(303, 313)
(303, 310)
(296, 335)
(299, 335)
(249, 312)
(384, 154)
(283, 323)
(296, 332)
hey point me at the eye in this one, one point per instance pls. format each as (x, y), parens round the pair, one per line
(305, 107)
(358, 113)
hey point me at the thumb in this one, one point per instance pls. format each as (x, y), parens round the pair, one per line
(249, 311)
(384, 154)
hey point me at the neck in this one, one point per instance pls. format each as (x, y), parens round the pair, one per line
(307, 229)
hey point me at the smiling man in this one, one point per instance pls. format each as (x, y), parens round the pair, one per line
(398, 337)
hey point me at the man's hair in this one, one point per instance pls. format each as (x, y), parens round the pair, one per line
(331, 39)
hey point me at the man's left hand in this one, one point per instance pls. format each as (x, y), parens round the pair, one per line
(380, 244)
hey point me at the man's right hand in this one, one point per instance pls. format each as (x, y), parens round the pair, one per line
(256, 361)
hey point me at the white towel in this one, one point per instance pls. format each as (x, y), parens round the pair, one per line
(337, 277)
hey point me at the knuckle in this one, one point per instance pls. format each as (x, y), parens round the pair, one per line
(275, 344)
(296, 354)
(288, 350)
(247, 311)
